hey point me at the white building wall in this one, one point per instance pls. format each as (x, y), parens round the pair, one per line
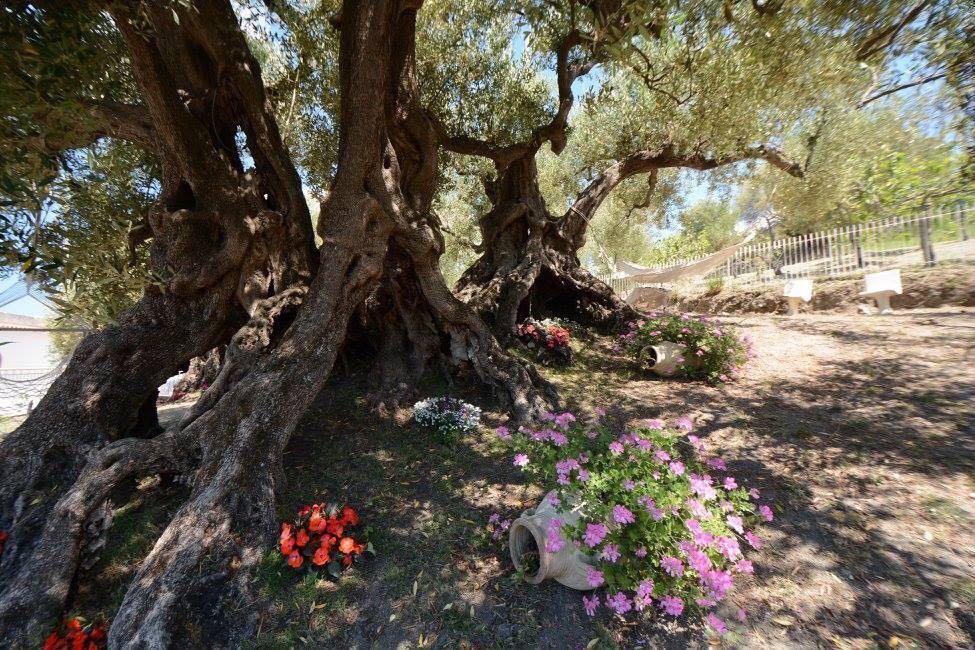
(26, 349)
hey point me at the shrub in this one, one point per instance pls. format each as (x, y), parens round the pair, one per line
(448, 417)
(548, 339)
(712, 352)
(75, 634)
(321, 535)
(664, 530)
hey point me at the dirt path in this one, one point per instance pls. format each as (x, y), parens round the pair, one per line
(859, 428)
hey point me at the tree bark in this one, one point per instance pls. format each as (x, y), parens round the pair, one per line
(236, 236)
(223, 239)
(202, 371)
(530, 264)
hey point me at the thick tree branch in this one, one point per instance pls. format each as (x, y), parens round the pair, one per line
(126, 121)
(899, 87)
(566, 73)
(575, 220)
(884, 37)
(102, 119)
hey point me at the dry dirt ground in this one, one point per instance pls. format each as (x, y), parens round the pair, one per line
(859, 428)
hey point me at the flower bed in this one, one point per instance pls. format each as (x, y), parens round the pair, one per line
(668, 527)
(320, 536)
(75, 634)
(711, 351)
(448, 417)
(548, 339)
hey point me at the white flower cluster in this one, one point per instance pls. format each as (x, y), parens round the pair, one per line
(449, 416)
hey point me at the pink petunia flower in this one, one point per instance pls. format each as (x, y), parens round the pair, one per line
(753, 540)
(590, 604)
(745, 566)
(611, 552)
(520, 460)
(716, 624)
(504, 433)
(685, 423)
(672, 566)
(623, 515)
(619, 602)
(728, 547)
(672, 605)
(765, 512)
(736, 524)
(595, 534)
(644, 595)
(594, 577)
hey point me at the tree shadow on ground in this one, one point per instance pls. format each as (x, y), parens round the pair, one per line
(859, 424)
(438, 577)
(846, 557)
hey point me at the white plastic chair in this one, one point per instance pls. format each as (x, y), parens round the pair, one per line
(881, 286)
(797, 290)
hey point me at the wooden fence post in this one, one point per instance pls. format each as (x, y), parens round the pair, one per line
(960, 210)
(924, 230)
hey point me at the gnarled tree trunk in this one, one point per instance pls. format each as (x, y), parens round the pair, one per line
(530, 264)
(222, 237)
(376, 219)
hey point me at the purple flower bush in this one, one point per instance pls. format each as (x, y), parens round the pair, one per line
(712, 352)
(667, 526)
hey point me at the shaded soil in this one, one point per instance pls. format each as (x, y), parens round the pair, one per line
(859, 428)
(947, 284)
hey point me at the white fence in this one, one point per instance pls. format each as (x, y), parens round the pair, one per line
(897, 242)
(22, 388)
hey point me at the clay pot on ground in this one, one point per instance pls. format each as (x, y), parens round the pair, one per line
(526, 541)
(664, 358)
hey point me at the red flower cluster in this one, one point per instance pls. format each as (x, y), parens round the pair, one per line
(73, 635)
(557, 337)
(552, 335)
(321, 535)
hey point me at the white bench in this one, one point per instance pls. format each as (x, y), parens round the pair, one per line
(797, 290)
(881, 286)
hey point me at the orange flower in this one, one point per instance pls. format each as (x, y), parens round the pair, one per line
(321, 556)
(302, 537)
(287, 530)
(346, 560)
(54, 642)
(349, 516)
(328, 541)
(304, 510)
(315, 523)
(334, 526)
(287, 546)
(346, 544)
(295, 560)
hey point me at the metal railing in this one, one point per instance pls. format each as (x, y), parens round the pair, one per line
(924, 239)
